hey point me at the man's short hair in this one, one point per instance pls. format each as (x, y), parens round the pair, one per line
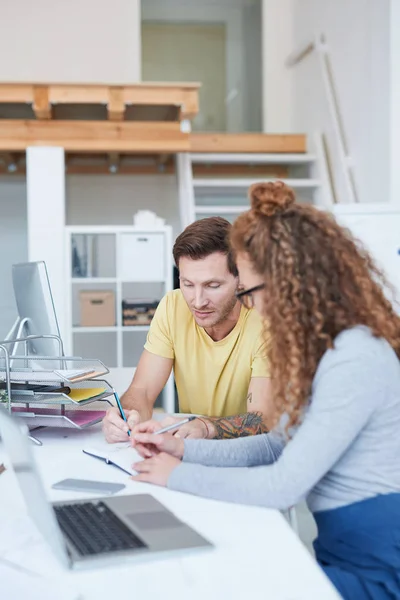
(204, 237)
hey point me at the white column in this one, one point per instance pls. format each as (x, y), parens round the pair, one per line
(45, 182)
(395, 102)
(277, 44)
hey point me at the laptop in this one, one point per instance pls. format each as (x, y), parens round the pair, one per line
(91, 533)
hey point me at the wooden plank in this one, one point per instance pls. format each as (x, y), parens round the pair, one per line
(78, 169)
(190, 106)
(239, 170)
(97, 163)
(94, 136)
(183, 95)
(116, 104)
(187, 100)
(16, 92)
(101, 170)
(78, 94)
(41, 105)
(113, 162)
(247, 142)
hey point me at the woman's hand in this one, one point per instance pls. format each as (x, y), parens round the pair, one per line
(157, 469)
(148, 443)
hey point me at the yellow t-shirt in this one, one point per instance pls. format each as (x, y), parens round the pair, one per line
(212, 378)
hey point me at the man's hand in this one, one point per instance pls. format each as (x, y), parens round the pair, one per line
(196, 429)
(148, 444)
(114, 427)
(157, 469)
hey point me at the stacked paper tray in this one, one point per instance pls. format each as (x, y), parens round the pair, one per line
(81, 393)
(79, 401)
(52, 369)
(78, 417)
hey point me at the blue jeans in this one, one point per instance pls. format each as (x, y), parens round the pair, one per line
(358, 548)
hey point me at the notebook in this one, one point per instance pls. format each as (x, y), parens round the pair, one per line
(120, 455)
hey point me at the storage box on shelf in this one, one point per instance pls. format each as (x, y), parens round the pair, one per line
(97, 308)
(134, 266)
(137, 312)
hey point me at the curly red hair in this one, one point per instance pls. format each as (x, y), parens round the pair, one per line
(318, 282)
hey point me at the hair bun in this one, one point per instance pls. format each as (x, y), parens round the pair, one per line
(271, 198)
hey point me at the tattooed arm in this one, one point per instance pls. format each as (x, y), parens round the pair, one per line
(250, 423)
(255, 421)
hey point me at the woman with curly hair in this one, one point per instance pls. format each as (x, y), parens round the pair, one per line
(334, 359)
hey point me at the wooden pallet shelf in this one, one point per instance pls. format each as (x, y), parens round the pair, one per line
(44, 98)
(111, 124)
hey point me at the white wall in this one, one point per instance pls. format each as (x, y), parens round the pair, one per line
(395, 102)
(277, 43)
(14, 247)
(113, 199)
(358, 36)
(83, 41)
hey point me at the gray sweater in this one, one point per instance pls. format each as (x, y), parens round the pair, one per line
(346, 449)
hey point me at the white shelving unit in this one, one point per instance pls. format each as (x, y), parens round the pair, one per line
(131, 262)
(213, 194)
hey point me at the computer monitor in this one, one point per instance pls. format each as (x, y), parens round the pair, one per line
(35, 303)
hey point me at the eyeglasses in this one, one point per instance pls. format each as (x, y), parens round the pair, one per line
(246, 296)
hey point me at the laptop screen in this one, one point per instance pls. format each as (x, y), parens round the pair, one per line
(20, 456)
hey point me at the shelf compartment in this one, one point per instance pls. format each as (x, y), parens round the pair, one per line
(93, 255)
(99, 343)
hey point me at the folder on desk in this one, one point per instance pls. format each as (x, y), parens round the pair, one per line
(81, 394)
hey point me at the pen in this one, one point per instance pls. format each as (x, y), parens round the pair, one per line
(121, 410)
(175, 425)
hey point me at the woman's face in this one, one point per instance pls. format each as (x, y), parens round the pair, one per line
(249, 279)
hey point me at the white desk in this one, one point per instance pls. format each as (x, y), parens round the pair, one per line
(256, 553)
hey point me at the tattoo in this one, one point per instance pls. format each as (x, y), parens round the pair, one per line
(250, 423)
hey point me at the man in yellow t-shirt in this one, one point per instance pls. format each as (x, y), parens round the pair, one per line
(215, 345)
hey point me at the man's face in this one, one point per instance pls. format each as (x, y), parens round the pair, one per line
(208, 288)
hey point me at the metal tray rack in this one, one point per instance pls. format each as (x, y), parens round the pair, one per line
(52, 409)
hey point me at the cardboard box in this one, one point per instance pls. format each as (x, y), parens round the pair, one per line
(97, 308)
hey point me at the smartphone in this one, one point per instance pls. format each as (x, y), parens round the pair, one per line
(86, 485)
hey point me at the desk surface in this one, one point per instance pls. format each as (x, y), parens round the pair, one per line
(256, 553)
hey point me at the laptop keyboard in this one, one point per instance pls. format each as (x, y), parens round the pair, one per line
(94, 529)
